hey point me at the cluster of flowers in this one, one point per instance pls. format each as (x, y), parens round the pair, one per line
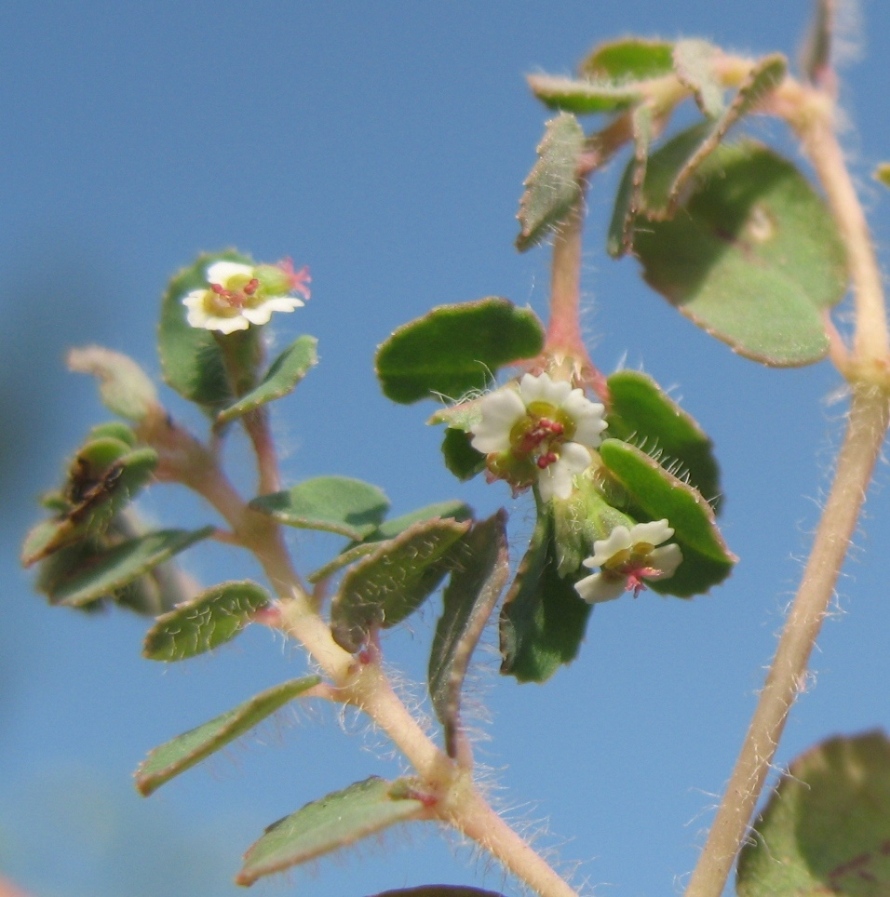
(541, 433)
(538, 433)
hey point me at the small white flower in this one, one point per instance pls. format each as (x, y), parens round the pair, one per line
(627, 558)
(239, 295)
(541, 432)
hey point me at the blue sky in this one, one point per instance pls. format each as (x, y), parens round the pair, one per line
(384, 145)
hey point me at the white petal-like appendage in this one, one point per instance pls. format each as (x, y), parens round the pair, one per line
(543, 389)
(603, 549)
(589, 421)
(597, 588)
(500, 410)
(666, 559)
(220, 272)
(653, 533)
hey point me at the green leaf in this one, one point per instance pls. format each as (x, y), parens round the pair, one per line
(628, 59)
(882, 173)
(460, 457)
(389, 530)
(333, 504)
(753, 257)
(192, 362)
(281, 379)
(552, 189)
(187, 750)
(382, 589)
(641, 413)
(456, 349)
(694, 65)
(468, 601)
(209, 620)
(826, 828)
(583, 97)
(124, 387)
(105, 477)
(543, 618)
(655, 494)
(763, 78)
(451, 510)
(154, 593)
(335, 821)
(439, 891)
(118, 566)
(629, 200)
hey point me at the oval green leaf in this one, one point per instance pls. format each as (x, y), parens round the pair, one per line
(334, 821)
(333, 504)
(654, 494)
(543, 618)
(753, 257)
(552, 189)
(389, 530)
(281, 379)
(583, 97)
(628, 59)
(209, 620)
(456, 349)
(187, 750)
(116, 567)
(386, 586)
(640, 412)
(191, 360)
(468, 601)
(826, 828)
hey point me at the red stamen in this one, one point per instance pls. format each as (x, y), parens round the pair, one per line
(545, 460)
(251, 286)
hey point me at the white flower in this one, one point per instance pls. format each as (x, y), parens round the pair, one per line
(541, 432)
(239, 295)
(627, 558)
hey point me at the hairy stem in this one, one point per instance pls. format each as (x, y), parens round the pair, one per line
(865, 434)
(810, 111)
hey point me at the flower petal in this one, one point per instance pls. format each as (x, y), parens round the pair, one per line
(653, 533)
(500, 410)
(666, 559)
(596, 588)
(220, 272)
(588, 418)
(603, 549)
(543, 389)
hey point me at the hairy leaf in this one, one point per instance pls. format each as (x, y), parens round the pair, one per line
(826, 828)
(552, 189)
(469, 599)
(211, 619)
(456, 349)
(335, 821)
(281, 379)
(388, 585)
(543, 618)
(333, 504)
